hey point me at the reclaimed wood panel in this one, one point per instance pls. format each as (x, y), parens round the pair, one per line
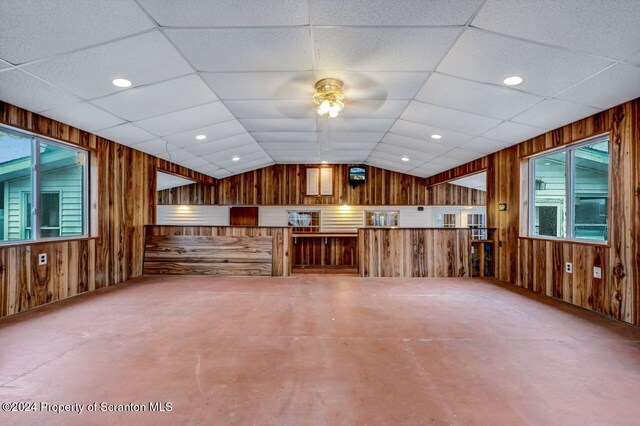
(208, 255)
(538, 265)
(194, 194)
(414, 252)
(281, 239)
(123, 196)
(448, 194)
(328, 251)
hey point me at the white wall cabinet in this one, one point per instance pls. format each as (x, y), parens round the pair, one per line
(313, 181)
(320, 181)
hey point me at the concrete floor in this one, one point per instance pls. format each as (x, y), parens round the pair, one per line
(321, 350)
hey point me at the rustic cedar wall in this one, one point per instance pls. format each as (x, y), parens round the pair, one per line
(125, 203)
(538, 265)
(447, 194)
(286, 185)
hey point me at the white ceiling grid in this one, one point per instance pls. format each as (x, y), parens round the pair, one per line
(242, 72)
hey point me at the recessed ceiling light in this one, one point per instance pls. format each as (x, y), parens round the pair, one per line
(201, 137)
(405, 158)
(236, 158)
(514, 80)
(121, 82)
(324, 162)
(436, 136)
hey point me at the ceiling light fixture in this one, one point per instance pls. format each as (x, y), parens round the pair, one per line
(236, 158)
(329, 98)
(201, 137)
(436, 137)
(325, 162)
(514, 80)
(121, 82)
(405, 158)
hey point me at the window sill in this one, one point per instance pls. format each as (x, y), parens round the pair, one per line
(9, 244)
(562, 240)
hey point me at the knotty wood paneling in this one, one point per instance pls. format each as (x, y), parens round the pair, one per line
(123, 194)
(243, 216)
(448, 194)
(538, 265)
(414, 252)
(194, 194)
(208, 255)
(285, 184)
(281, 239)
(329, 251)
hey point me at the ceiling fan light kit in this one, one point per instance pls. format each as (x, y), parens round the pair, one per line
(329, 98)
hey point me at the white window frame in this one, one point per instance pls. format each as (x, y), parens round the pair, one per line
(569, 191)
(36, 185)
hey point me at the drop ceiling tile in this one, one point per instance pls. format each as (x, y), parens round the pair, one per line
(154, 146)
(360, 85)
(279, 124)
(374, 109)
(634, 59)
(395, 153)
(252, 165)
(444, 163)
(215, 132)
(4, 65)
(427, 170)
(221, 174)
(349, 146)
(341, 124)
(34, 29)
(345, 154)
(194, 163)
(261, 85)
(588, 26)
(285, 136)
(245, 49)
(247, 161)
(27, 92)
(144, 59)
(554, 113)
(176, 155)
(157, 99)
(490, 58)
(416, 144)
(350, 137)
(382, 49)
(422, 132)
(611, 87)
(251, 150)
(513, 133)
(227, 13)
(209, 147)
(295, 108)
(463, 155)
(379, 13)
(478, 98)
(446, 118)
(284, 146)
(297, 160)
(483, 145)
(378, 161)
(126, 134)
(84, 116)
(187, 119)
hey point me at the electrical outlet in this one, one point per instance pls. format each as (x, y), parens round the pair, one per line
(568, 267)
(42, 259)
(597, 272)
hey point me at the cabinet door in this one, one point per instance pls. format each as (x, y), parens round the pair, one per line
(326, 181)
(313, 178)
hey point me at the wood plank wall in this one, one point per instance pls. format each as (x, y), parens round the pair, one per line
(125, 200)
(335, 251)
(194, 194)
(538, 265)
(414, 252)
(208, 255)
(281, 237)
(447, 194)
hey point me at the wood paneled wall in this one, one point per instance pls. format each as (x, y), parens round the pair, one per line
(125, 196)
(329, 251)
(448, 194)
(208, 255)
(285, 184)
(414, 252)
(281, 238)
(194, 194)
(539, 265)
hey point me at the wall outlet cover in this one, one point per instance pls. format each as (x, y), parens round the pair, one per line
(568, 267)
(597, 272)
(42, 259)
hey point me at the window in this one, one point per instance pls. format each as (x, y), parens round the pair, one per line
(476, 222)
(449, 220)
(304, 221)
(381, 218)
(570, 192)
(56, 173)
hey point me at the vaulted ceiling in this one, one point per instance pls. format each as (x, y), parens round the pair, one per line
(242, 73)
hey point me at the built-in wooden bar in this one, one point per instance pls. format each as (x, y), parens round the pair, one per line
(217, 250)
(414, 252)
